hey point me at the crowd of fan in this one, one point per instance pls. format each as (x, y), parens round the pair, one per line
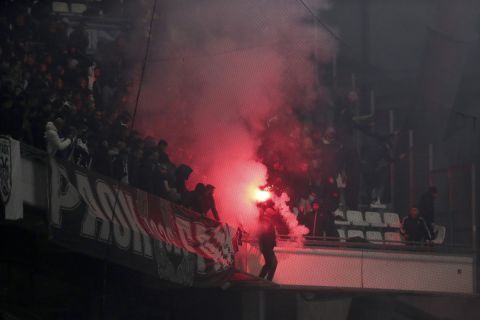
(329, 161)
(51, 87)
(56, 96)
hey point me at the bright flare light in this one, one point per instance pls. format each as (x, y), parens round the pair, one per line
(262, 195)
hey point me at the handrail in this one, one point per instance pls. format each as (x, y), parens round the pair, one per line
(389, 245)
(309, 241)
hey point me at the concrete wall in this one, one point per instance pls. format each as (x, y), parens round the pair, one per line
(366, 269)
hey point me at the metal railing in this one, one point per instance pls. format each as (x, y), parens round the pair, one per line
(284, 241)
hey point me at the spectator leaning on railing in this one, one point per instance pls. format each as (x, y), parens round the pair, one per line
(54, 141)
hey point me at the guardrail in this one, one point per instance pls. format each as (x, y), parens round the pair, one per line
(31, 152)
(380, 245)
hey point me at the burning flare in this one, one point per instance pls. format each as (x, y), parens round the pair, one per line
(261, 195)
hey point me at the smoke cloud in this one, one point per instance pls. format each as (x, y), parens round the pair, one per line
(217, 72)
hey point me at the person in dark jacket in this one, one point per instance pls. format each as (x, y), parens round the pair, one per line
(134, 163)
(162, 152)
(182, 173)
(100, 157)
(208, 202)
(120, 165)
(426, 206)
(146, 172)
(196, 198)
(378, 152)
(160, 182)
(323, 221)
(78, 39)
(267, 240)
(414, 227)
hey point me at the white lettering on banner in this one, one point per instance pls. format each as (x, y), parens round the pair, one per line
(6, 164)
(11, 192)
(186, 235)
(94, 213)
(147, 247)
(174, 249)
(223, 239)
(169, 229)
(168, 223)
(202, 238)
(159, 231)
(121, 231)
(151, 228)
(102, 212)
(125, 200)
(101, 202)
(206, 246)
(67, 199)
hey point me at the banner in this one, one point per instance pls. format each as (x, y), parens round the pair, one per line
(11, 178)
(105, 218)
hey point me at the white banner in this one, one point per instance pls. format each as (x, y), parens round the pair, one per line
(11, 178)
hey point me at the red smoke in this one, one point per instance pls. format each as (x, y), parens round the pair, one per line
(236, 184)
(217, 72)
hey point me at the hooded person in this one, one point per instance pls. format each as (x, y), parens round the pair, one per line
(196, 199)
(54, 141)
(208, 202)
(182, 173)
(162, 152)
(267, 240)
(80, 155)
(162, 187)
(426, 206)
(119, 163)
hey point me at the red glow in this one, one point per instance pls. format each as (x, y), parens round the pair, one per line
(261, 195)
(236, 180)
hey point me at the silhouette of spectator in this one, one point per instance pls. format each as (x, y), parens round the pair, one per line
(414, 227)
(426, 206)
(196, 198)
(267, 240)
(134, 164)
(162, 152)
(208, 202)
(162, 187)
(54, 141)
(78, 39)
(182, 173)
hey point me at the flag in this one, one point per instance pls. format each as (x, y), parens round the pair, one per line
(11, 178)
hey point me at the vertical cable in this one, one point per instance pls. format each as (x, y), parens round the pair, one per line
(137, 99)
(144, 65)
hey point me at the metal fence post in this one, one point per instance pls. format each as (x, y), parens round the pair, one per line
(410, 168)
(334, 70)
(474, 225)
(450, 204)
(391, 116)
(357, 113)
(372, 102)
(430, 165)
